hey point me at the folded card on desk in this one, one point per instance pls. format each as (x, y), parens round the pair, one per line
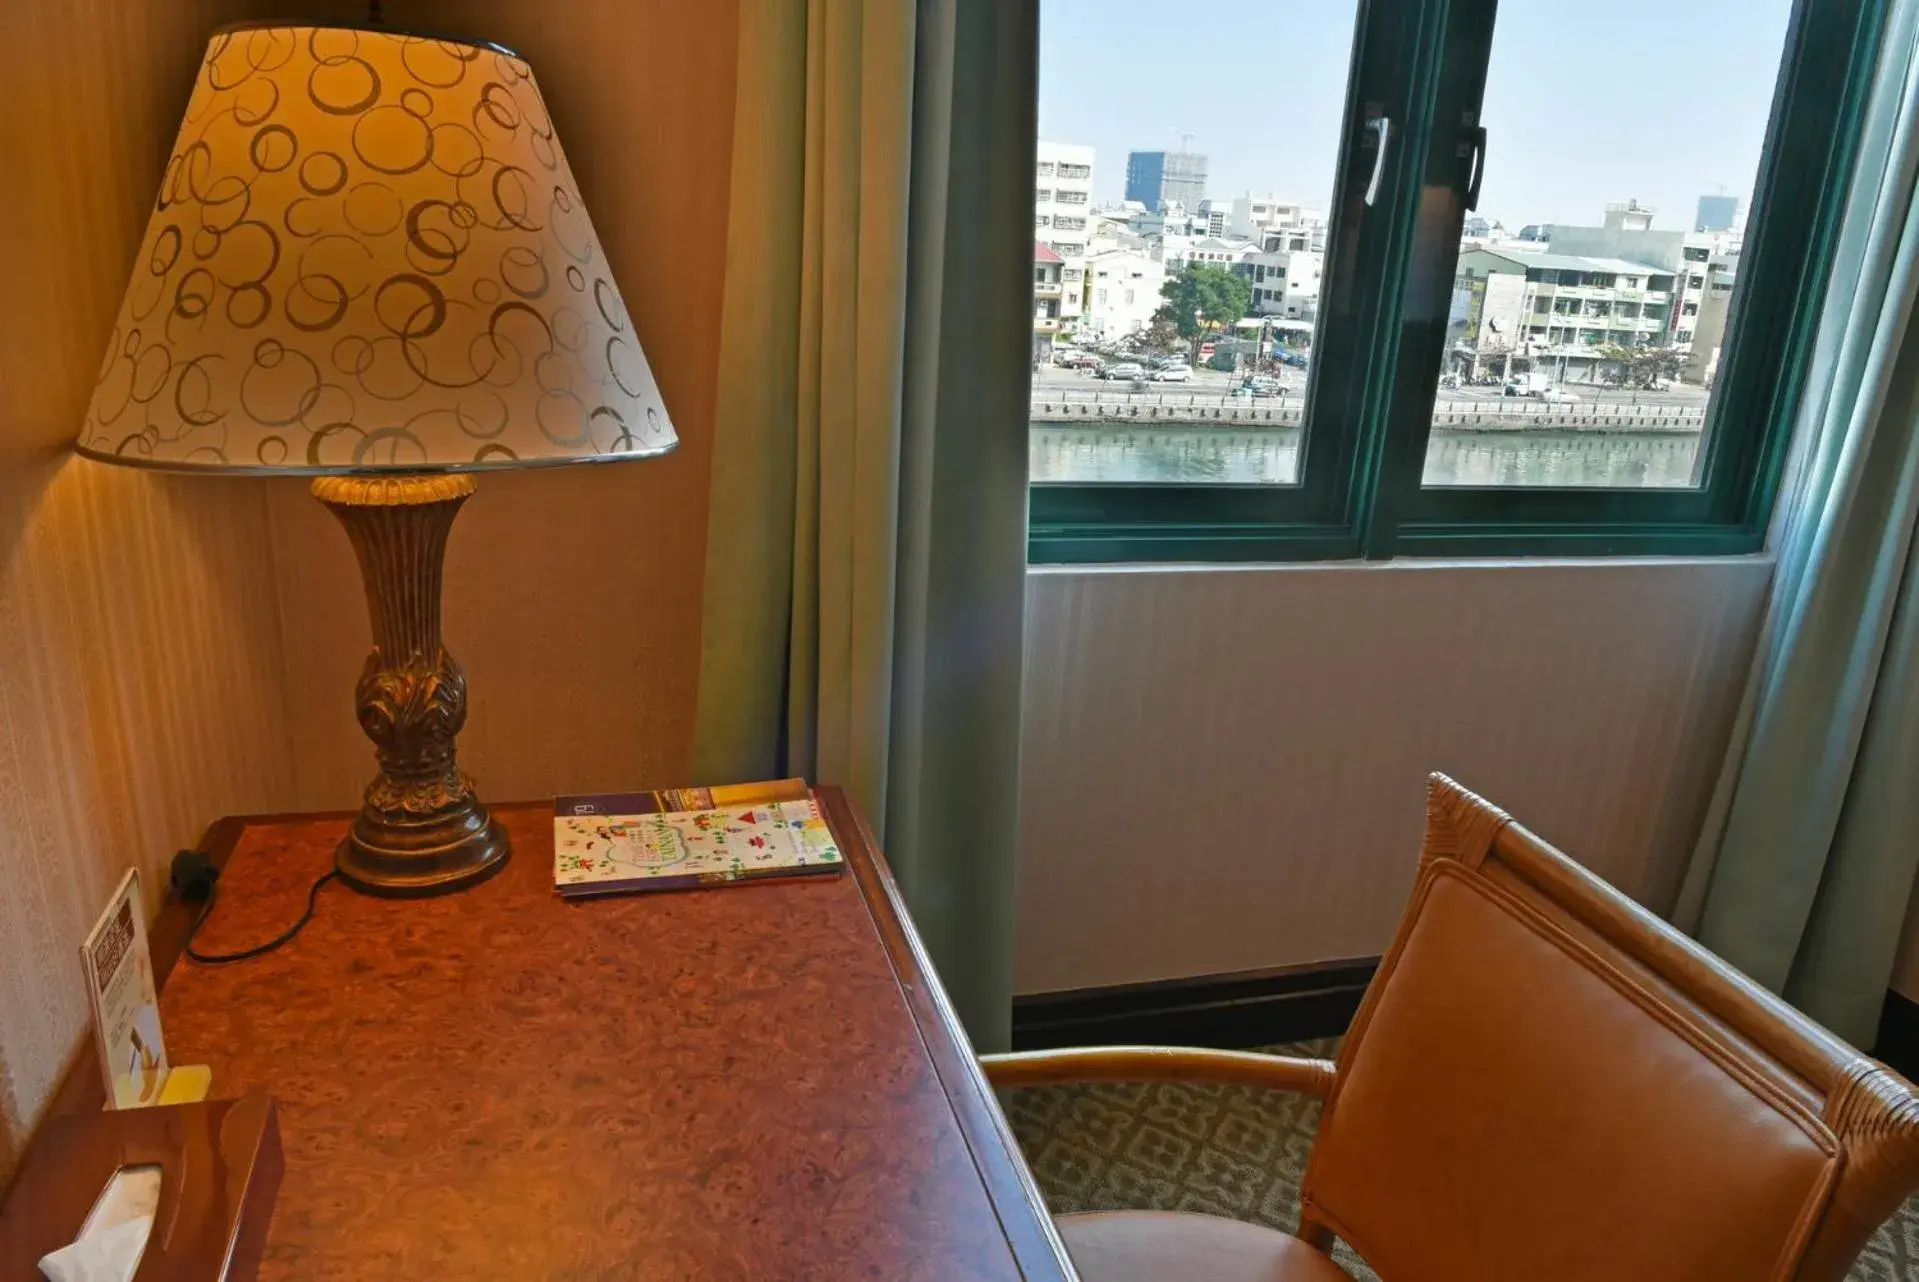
(682, 837)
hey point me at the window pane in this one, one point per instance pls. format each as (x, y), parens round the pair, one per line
(1593, 286)
(1126, 206)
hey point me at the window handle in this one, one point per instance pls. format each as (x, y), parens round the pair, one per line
(1476, 139)
(1382, 126)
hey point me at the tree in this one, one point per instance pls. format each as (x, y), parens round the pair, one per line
(1203, 299)
(1157, 339)
(1640, 366)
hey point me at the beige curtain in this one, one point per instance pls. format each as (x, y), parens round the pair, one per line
(801, 542)
(866, 543)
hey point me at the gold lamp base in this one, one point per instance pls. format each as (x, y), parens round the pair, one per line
(422, 830)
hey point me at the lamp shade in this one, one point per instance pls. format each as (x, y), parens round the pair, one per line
(368, 253)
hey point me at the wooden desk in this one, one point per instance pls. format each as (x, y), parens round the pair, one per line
(758, 1081)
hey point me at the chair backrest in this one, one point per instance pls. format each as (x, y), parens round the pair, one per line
(1546, 1082)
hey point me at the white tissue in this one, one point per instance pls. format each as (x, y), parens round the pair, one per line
(115, 1233)
(110, 1255)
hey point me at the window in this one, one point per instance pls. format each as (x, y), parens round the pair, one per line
(1043, 195)
(1505, 397)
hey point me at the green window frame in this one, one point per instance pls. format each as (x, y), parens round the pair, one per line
(1386, 293)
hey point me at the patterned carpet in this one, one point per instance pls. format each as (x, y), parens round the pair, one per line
(1239, 1153)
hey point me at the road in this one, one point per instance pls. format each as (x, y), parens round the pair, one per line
(1211, 382)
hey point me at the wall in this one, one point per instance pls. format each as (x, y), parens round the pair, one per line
(139, 640)
(1224, 769)
(572, 597)
(176, 649)
(1905, 967)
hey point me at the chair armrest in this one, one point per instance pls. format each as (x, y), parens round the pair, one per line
(1159, 1064)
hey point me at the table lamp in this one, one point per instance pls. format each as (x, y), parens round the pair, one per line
(369, 263)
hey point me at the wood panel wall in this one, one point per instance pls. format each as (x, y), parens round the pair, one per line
(1224, 769)
(140, 665)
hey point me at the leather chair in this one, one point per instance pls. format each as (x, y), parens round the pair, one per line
(1544, 1082)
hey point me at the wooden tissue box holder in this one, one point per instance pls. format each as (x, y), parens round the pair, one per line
(220, 1166)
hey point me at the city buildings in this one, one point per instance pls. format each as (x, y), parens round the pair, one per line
(1709, 329)
(1716, 213)
(1560, 295)
(1286, 283)
(1553, 298)
(1062, 221)
(1157, 179)
(1211, 251)
(1122, 293)
(1047, 297)
(1063, 196)
(1555, 309)
(1255, 216)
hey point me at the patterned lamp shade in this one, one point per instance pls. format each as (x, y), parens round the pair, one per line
(368, 253)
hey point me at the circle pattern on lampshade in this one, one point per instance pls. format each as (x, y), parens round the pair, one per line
(368, 253)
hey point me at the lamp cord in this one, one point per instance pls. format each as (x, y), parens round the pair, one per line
(221, 959)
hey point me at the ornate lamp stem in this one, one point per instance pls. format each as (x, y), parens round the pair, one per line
(422, 830)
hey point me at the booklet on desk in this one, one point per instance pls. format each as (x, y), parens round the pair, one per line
(124, 999)
(682, 837)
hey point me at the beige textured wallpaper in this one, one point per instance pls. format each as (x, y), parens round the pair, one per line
(139, 633)
(572, 596)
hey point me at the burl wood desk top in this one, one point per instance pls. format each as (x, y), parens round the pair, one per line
(757, 1081)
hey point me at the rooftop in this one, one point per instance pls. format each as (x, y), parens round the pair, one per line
(1043, 253)
(1577, 263)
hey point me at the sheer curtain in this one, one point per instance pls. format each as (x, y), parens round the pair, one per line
(866, 545)
(1806, 864)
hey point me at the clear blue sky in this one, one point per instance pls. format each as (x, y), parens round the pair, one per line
(1658, 100)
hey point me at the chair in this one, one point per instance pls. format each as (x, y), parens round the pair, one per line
(1544, 1082)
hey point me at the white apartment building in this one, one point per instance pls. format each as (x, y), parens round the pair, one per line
(1215, 218)
(1689, 256)
(1557, 308)
(1212, 251)
(1252, 216)
(1709, 321)
(1122, 293)
(1286, 283)
(1062, 214)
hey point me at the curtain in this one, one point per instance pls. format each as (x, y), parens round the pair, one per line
(865, 569)
(1806, 864)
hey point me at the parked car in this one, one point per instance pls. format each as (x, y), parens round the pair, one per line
(1173, 374)
(1296, 359)
(1124, 370)
(1554, 396)
(1449, 382)
(1076, 360)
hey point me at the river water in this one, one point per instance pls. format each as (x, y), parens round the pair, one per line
(1270, 456)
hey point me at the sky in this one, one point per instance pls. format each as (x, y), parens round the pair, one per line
(1660, 101)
